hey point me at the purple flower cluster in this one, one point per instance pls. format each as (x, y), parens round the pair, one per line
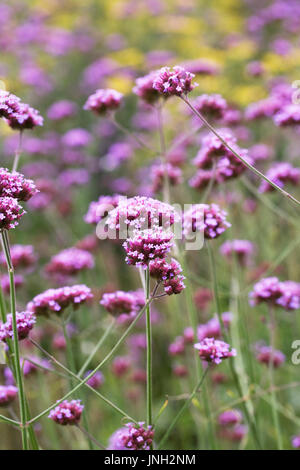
(22, 257)
(25, 323)
(57, 300)
(209, 219)
(122, 303)
(280, 173)
(70, 262)
(174, 81)
(67, 412)
(16, 186)
(141, 212)
(7, 394)
(10, 213)
(169, 274)
(103, 100)
(146, 245)
(213, 350)
(241, 249)
(18, 115)
(284, 294)
(100, 209)
(215, 161)
(132, 437)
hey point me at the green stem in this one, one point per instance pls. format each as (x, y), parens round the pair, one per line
(19, 375)
(245, 162)
(104, 361)
(183, 408)
(4, 419)
(72, 368)
(149, 350)
(166, 185)
(96, 348)
(272, 328)
(90, 437)
(18, 152)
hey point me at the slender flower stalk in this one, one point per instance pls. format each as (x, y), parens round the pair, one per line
(183, 408)
(272, 329)
(132, 135)
(17, 365)
(90, 437)
(102, 363)
(166, 185)
(149, 349)
(224, 334)
(18, 152)
(96, 348)
(245, 162)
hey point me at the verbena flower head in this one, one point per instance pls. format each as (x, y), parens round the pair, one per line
(67, 412)
(7, 394)
(161, 270)
(25, 323)
(16, 185)
(144, 88)
(267, 355)
(70, 262)
(57, 300)
(26, 117)
(213, 350)
(121, 303)
(22, 256)
(146, 245)
(103, 100)
(213, 106)
(10, 212)
(98, 210)
(174, 81)
(280, 173)
(132, 437)
(209, 219)
(9, 104)
(142, 212)
(281, 294)
(174, 285)
(230, 418)
(241, 249)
